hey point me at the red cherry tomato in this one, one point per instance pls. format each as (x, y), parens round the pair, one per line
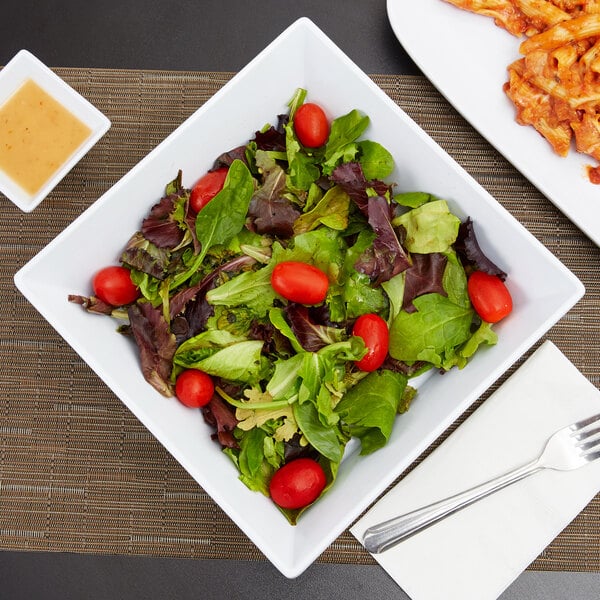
(299, 282)
(297, 483)
(311, 125)
(206, 188)
(374, 332)
(113, 285)
(194, 388)
(490, 297)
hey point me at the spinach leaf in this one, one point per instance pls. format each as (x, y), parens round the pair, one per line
(455, 281)
(394, 289)
(429, 334)
(255, 471)
(224, 216)
(344, 130)
(413, 199)
(376, 161)
(323, 438)
(277, 318)
(370, 407)
(302, 168)
(252, 454)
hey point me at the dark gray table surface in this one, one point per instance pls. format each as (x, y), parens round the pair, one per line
(208, 36)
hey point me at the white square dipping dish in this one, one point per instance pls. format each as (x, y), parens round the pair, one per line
(543, 289)
(25, 66)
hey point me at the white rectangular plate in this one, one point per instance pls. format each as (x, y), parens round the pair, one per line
(466, 56)
(543, 289)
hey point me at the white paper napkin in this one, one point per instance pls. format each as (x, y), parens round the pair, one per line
(477, 552)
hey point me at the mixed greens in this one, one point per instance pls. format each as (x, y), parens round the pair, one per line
(285, 375)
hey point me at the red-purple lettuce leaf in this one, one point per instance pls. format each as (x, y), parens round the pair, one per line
(225, 159)
(399, 366)
(422, 277)
(386, 257)
(159, 228)
(156, 345)
(272, 138)
(165, 225)
(92, 304)
(141, 254)
(467, 248)
(219, 415)
(269, 211)
(274, 341)
(312, 335)
(350, 177)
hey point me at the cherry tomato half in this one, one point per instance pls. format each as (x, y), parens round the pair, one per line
(206, 188)
(297, 483)
(113, 285)
(194, 388)
(490, 297)
(299, 282)
(374, 332)
(311, 125)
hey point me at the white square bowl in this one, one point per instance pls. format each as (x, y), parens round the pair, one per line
(302, 56)
(22, 67)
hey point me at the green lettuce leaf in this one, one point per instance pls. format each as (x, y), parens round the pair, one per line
(251, 289)
(429, 228)
(239, 362)
(484, 334)
(331, 210)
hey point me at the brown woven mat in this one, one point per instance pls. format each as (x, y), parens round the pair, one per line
(77, 471)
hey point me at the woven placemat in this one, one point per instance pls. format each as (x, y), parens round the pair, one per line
(78, 472)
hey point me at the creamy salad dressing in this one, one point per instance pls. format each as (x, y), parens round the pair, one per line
(37, 136)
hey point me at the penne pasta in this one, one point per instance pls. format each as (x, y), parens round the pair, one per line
(555, 86)
(528, 17)
(542, 10)
(578, 28)
(504, 13)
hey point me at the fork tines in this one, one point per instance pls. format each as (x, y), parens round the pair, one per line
(588, 444)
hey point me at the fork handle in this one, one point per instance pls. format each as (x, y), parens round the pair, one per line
(382, 536)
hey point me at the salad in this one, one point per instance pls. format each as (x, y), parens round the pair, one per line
(291, 295)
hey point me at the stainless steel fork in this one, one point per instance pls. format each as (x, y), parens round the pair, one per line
(569, 448)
